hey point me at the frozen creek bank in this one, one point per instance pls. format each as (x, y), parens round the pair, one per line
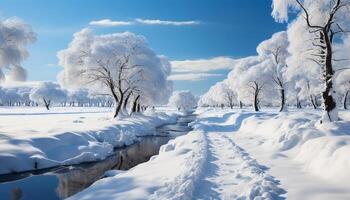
(64, 181)
(35, 139)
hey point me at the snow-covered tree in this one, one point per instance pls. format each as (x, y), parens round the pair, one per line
(15, 36)
(11, 97)
(47, 93)
(343, 86)
(234, 77)
(219, 94)
(255, 83)
(120, 65)
(24, 93)
(154, 88)
(183, 100)
(275, 48)
(323, 22)
(79, 97)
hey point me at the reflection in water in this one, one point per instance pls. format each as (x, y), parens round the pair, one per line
(16, 193)
(62, 182)
(71, 181)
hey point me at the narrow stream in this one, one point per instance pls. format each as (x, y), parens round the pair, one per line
(62, 182)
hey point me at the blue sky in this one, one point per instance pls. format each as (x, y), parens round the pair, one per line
(227, 28)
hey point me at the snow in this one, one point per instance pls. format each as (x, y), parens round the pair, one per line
(33, 138)
(230, 154)
(170, 175)
(309, 159)
(320, 148)
(204, 164)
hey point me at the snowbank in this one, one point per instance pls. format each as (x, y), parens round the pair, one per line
(181, 168)
(45, 139)
(230, 172)
(321, 149)
(170, 175)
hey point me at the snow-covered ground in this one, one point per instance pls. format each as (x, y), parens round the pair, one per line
(33, 138)
(234, 154)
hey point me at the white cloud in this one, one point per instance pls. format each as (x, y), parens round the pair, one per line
(203, 65)
(165, 22)
(201, 69)
(109, 23)
(51, 65)
(192, 76)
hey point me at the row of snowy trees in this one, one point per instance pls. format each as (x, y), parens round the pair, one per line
(307, 63)
(118, 68)
(50, 94)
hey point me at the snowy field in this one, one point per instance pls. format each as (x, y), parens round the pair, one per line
(234, 154)
(34, 138)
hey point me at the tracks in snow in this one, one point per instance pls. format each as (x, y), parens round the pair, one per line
(230, 173)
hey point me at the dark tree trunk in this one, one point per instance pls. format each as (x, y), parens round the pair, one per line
(118, 102)
(312, 99)
(118, 106)
(298, 103)
(138, 108)
(345, 100)
(240, 104)
(327, 94)
(134, 105)
(283, 100)
(127, 100)
(47, 103)
(256, 97)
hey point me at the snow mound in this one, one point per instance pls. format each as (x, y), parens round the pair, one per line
(170, 175)
(229, 171)
(38, 151)
(322, 149)
(183, 185)
(327, 157)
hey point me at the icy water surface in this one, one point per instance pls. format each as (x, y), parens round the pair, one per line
(62, 182)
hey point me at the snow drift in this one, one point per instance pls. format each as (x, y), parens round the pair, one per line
(23, 148)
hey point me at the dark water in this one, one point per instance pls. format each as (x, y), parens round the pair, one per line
(62, 182)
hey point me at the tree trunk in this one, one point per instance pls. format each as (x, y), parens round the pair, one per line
(240, 104)
(345, 100)
(312, 99)
(256, 97)
(138, 107)
(298, 103)
(134, 105)
(316, 102)
(283, 100)
(118, 106)
(118, 102)
(126, 100)
(329, 101)
(47, 103)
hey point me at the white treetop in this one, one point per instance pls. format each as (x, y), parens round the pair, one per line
(120, 65)
(47, 93)
(15, 36)
(183, 100)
